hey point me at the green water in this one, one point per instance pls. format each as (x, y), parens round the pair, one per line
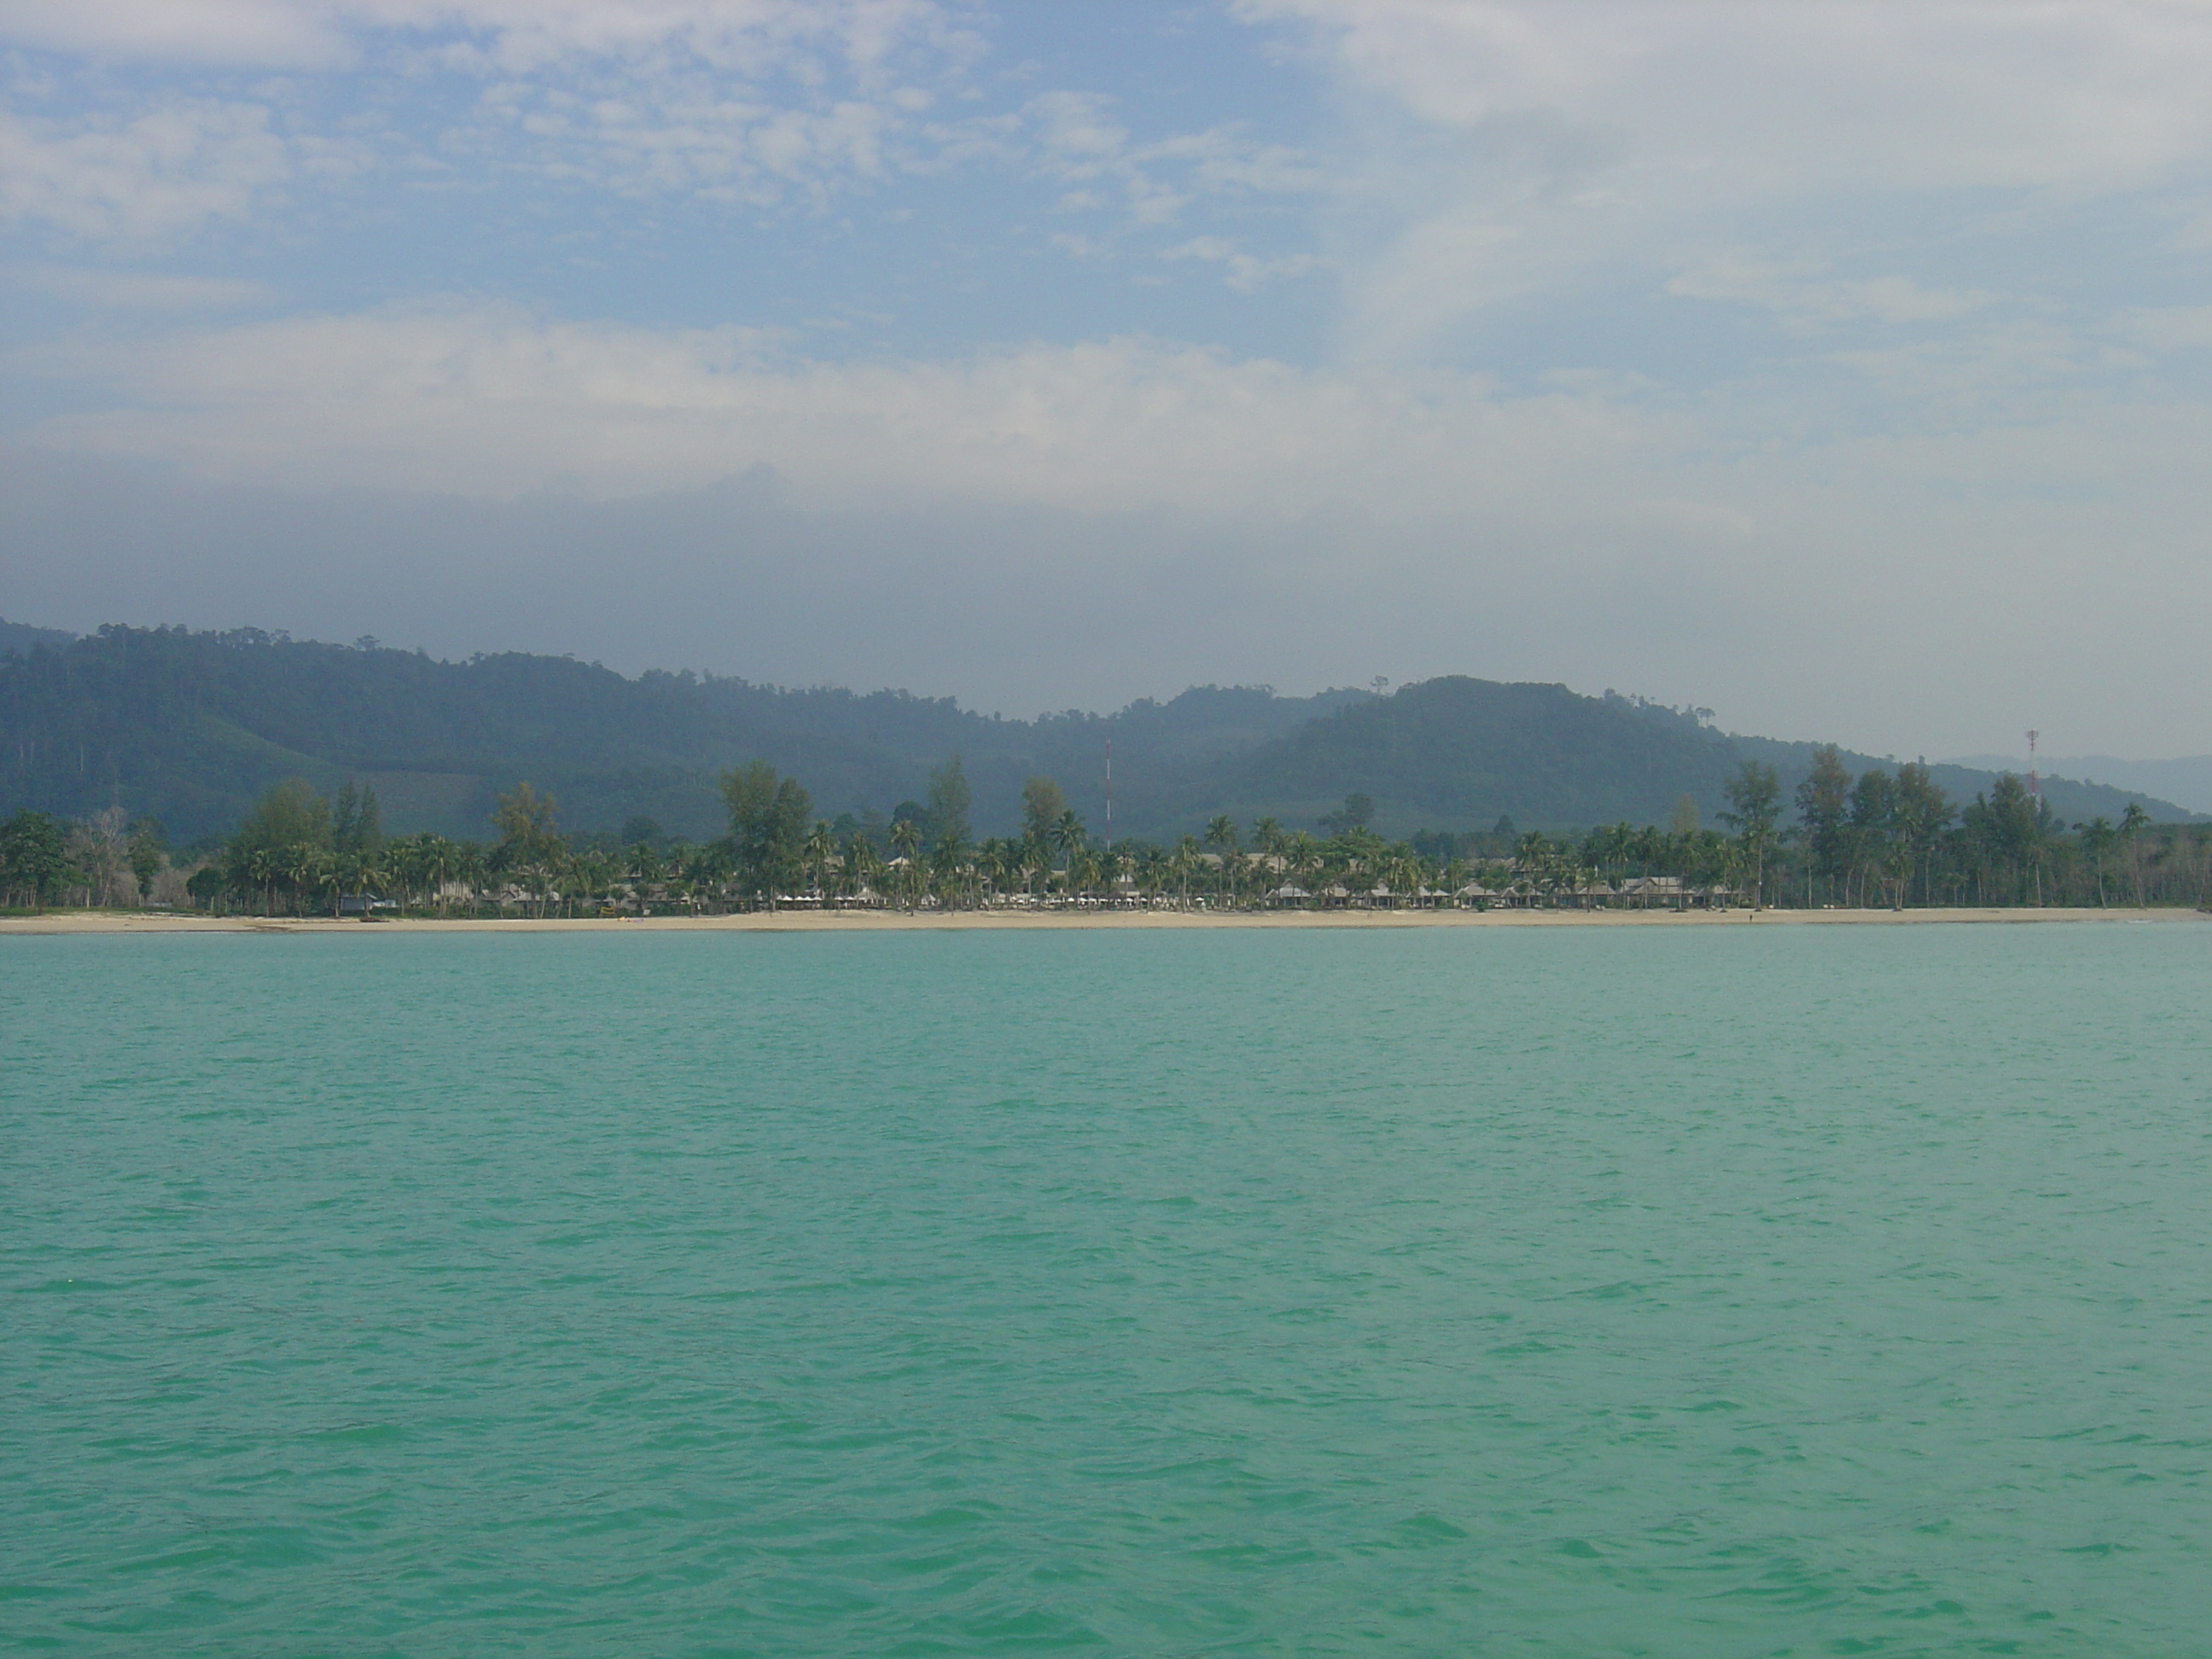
(1499, 1292)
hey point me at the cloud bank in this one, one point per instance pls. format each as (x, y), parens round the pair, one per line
(1840, 366)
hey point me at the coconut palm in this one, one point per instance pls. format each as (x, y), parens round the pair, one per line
(952, 866)
(1184, 863)
(1068, 833)
(1113, 864)
(906, 842)
(821, 856)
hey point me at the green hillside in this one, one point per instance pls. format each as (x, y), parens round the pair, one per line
(1459, 753)
(190, 727)
(21, 636)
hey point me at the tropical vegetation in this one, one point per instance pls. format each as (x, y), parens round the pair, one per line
(1873, 838)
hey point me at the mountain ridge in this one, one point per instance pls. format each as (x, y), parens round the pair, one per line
(188, 728)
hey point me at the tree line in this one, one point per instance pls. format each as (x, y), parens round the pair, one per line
(1878, 838)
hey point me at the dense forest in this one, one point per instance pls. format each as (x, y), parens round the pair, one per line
(244, 771)
(189, 729)
(20, 637)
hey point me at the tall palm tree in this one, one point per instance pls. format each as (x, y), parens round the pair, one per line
(821, 856)
(1113, 865)
(1184, 864)
(863, 867)
(1067, 833)
(994, 865)
(951, 864)
(906, 842)
(2133, 822)
(1152, 872)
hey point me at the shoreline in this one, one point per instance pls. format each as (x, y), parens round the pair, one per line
(830, 922)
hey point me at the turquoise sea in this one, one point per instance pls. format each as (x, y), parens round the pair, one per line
(1561, 1292)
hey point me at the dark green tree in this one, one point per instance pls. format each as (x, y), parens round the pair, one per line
(1754, 796)
(1870, 831)
(34, 861)
(950, 802)
(768, 818)
(356, 824)
(145, 852)
(1823, 803)
(275, 847)
(1043, 802)
(1922, 811)
(1358, 811)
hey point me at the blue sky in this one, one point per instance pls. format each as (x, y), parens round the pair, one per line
(1840, 367)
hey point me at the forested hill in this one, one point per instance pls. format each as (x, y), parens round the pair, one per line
(190, 727)
(21, 636)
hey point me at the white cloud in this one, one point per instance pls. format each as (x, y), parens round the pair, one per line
(754, 102)
(1247, 273)
(1081, 144)
(690, 137)
(733, 99)
(744, 36)
(1518, 146)
(1729, 95)
(493, 402)
(1807, 296)
(1237, 517)
(2167, 328)
(164, 172)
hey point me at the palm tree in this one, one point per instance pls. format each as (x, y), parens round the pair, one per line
(1304, 853)
(2132, 824)
(1068, 832)
(2097, 838)
(1113, 864)
(906, 842)
(1185, 861)
(994, 865)
(951, 865)
(862, 865)
(821, 855)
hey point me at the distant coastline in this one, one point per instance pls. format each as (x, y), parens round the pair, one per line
(857, 921)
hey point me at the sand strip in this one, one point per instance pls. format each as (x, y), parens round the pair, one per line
(853, 921)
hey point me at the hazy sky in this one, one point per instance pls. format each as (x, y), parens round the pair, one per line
(1843, 367)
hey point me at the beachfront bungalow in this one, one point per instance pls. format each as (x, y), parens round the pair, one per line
(1673, 893)
(1664, 892)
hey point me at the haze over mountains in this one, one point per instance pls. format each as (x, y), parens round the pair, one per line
(2186, 781)
(190, 727)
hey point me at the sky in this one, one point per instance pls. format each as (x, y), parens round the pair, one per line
(1846, 368)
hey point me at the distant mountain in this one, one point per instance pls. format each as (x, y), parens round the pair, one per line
(2187, 781)
(21, 636)
(2071, 801)
(1460, 753)
(190, 727)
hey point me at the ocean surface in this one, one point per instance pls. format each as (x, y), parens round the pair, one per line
(1564, 1292)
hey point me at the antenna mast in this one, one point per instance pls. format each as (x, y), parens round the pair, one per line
(2034, 779)
(1110, 794)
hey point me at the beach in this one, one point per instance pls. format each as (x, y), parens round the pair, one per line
(831, 921)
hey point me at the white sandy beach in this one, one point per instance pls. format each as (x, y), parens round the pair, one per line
(830, 922)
